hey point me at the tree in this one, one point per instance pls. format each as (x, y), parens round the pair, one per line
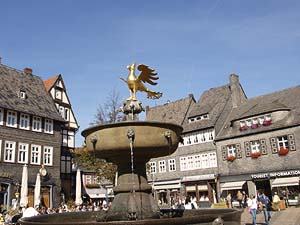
(103, 169)
(109, 112)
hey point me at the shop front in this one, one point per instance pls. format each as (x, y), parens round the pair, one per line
(285, 183)
(203, 187)
(167, 192)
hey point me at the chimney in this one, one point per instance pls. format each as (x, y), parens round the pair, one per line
(28, 71)
(235, 90)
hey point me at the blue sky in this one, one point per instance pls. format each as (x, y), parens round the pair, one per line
(193, 45)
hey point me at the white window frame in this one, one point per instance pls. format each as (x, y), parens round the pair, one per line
(23, 149)
(61, 111)
(37, 124)
(255, 146)
(212, 159)
(183, 163)
(282, 142)
(9, 151)
(152, 167)
(35, 155)
(0, 149)
(48, 156)
(1, 116)
(231, 150)
(205, 161)
(88, 179)
(48, 128)
(11, 119)
(58, 94)
(172, 165)
(190, 162)
(162, 166)
(197, 162)
(66, 114)
(24, 121)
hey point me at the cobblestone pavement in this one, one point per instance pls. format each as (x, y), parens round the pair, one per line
(290, 216)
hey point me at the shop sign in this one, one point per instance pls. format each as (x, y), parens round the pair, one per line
(5, 175)
(276, 174)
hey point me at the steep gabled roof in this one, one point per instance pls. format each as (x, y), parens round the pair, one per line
(284, 100)
(50, 82)
(37, 102)
(212, 102)
(173, 112)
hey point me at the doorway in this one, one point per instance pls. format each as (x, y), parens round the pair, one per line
(264, 186)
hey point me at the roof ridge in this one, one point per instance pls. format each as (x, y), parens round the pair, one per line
(17, 70)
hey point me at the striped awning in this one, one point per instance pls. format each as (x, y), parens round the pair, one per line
(285, 181)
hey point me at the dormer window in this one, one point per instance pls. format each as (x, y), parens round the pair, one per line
(197, 118)
(243, 125)
(22, 94)
(268, 120)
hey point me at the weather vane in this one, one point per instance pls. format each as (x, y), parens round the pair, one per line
(135, 83)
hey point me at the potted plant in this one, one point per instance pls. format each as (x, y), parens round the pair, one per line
(255, 155)
(283, 151)
(231, 158)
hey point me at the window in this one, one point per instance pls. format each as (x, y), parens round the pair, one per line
(172, 165)
(11, 120)
(61, 111)
(0, 149)
(22, 94)
(88, 179)
(204, 159)
(71, 139)
(23, 153)
(212, 159)
(282, 142)
(255, 146)
(231, 150)
(24, 121)
(152, 167)
(48, 126)
(66, 114)
(183, 163)
(162, 166)
(197, 161)
(35, 154)
(9, 151)
(1, 116)
(65, 164)
(58, 94)
(190, 162)
(37, 124)
(48, 155)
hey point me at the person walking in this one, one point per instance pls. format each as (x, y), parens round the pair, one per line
(266, 203)
(252, 204)
(276, 201)
(239, 197)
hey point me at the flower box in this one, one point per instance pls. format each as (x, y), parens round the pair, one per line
(92, 186)
(255, 155)
(267, 122)
(231, 158)
(283, 151)
(243, 128)
(254, 126)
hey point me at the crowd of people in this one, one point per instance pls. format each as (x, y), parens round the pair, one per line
(10, 217)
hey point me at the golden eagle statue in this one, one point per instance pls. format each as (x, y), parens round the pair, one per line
(136, 83)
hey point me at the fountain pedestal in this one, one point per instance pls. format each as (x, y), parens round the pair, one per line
(130, 145)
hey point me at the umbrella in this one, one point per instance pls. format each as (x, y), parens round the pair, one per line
(24, 187)
(37, 190)
(78, 200)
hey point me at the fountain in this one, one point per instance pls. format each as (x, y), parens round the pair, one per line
(130, 145)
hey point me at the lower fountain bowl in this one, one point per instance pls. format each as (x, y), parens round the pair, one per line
(196, 217)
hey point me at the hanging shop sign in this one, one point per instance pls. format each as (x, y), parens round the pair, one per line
(275, 174)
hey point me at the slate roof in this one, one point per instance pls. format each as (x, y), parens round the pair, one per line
(284, 100)
(173, 112)
(38, 101)
(211, 102)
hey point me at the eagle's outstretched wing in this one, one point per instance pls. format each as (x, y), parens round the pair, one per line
(147, 74)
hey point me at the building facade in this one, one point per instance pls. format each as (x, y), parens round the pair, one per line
(231, 143)
(259, 146)
(57, 90)
(30, 133)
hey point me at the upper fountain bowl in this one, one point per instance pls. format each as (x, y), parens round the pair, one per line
(150, 139)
